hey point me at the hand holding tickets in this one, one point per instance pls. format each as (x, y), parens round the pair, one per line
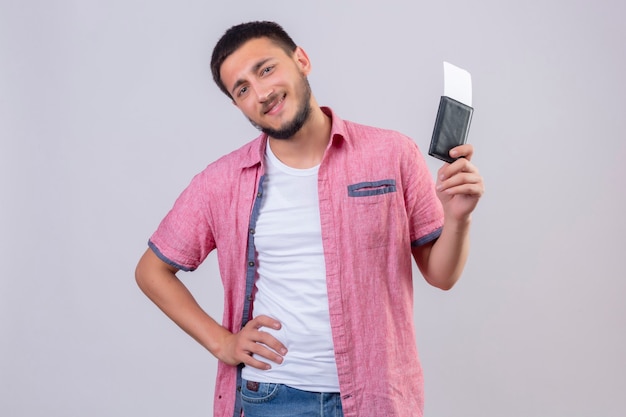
(454, 114)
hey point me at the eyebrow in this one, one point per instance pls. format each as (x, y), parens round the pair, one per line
(254, 69)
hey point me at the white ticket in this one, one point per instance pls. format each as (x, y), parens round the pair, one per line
(457, 83)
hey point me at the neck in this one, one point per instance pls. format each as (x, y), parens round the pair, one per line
(306, 148)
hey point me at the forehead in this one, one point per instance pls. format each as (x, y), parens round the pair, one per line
(244, 59)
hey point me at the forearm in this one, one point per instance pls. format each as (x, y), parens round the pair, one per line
(459, 187)
(174, 299)
(159, 282)
(448, 255)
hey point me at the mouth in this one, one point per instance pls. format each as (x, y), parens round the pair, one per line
(274, 104)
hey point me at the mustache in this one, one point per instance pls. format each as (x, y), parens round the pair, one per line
(270, 102)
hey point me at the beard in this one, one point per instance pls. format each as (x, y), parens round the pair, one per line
(290, 128)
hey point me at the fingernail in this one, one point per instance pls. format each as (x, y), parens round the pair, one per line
(283, 351)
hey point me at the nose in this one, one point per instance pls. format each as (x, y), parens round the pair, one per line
(263, 93)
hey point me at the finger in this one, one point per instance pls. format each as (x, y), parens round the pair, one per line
(462, 151)
(259, 323)
(262, 351)
(271, 342)
(264, 321)
(470, 190)
(255, 363)
(459, 166)
(475, 188)
(460, 179)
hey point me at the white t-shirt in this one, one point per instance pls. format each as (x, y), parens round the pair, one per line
(291, 286)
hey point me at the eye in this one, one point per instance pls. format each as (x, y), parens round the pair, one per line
(267, 70)
(242, 91)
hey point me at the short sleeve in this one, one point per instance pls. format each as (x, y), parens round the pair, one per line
(184, 237)
(424, 210)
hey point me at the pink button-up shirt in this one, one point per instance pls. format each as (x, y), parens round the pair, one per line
(376, 199)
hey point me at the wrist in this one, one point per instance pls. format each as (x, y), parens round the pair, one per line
(455, 225)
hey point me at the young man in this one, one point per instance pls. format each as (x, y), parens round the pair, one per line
(315, 223)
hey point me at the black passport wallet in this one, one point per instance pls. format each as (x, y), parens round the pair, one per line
(451, 128)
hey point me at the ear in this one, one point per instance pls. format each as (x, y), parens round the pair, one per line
(302, 60)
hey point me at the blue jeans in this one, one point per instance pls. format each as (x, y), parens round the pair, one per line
(262, 399)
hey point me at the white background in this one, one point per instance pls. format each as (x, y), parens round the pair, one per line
(107, 109)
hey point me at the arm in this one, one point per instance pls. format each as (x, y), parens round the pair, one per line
(159, 282)
(459, 187)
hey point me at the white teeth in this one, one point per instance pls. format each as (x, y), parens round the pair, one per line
(279, 101)
(275, 105)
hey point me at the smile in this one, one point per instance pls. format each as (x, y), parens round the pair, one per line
(274, 105)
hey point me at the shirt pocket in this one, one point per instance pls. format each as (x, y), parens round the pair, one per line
(371, 210)
(371, 188)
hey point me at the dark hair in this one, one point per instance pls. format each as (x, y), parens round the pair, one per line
(237, 35)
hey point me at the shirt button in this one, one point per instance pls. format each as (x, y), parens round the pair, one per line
(250, 263)
(251, 231)
(259, 195)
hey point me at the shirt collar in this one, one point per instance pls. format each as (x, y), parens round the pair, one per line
(256, 149)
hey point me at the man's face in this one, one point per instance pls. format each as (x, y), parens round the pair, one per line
(269, 86)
